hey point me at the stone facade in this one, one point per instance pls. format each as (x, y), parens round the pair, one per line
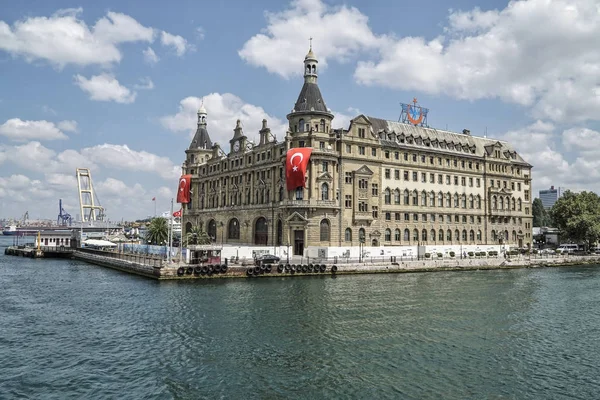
(378, 183)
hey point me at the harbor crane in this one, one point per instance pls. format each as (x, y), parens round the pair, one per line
(64, 217)
(89, 205)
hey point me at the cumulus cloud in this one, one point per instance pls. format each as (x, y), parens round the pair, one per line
(150, 56)
(223, 111)
(68, 126)
(177, 42)
(64, 38)
(145, 84)
(105, 87)
(18, 130)
(338, 33)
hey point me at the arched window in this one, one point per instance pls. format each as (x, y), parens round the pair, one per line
(301, 122)
(415, 235)
(479, 236)
(397, 234)
(348, 235)
(449, 235)
(361, 235)
(188, 227)
(415, 197)
(501, 203)
(506, 236)
(493, 235)
(374, 242)
(424, 235)
(456, 200)
(212, 230)
(441, 235)
(387, 196)
(519, 204)
(261, 231)
(322, 126)
(472, 235)
(464, 235)
(471, 203)
(280, 194)
(324, 191)
(279, 233)
(314, 69)
(432, 199)
(448, 200)
(514, 236)
(463, 201)
(324, 227)
(406, 198)
(479, 202)
(440, 199)
(396, 196)
(406, 235)
(494, 203)
(388, 235)
(424, 199)
(513, 204)
(507, 203)
(456, 235)
(233, 229)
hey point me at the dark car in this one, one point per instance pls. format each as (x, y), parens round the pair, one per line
(266, 259)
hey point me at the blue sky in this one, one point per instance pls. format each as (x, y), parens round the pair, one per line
(114, 87)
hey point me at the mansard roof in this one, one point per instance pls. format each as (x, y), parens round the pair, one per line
(395, 134)
(201, 139)
(310, 99)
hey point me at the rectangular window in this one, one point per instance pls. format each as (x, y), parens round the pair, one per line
(388, 216)
(440, 179)
(431, 178)
(348, 148)
(432, 217)
(491, 182)
(387, 154)
(406, 217)
(478, 182)
(348, 177)
(375, 189)
(415, 177)
(405, 175)
(415, 217)
(301, 143)
(423, 177)
(447, 179)
(527, 195)
(423, 159)
(397, 216)
(519, 186)
(414, 158)
(397, 174)
(375, 209)
(405, 156)
(348, 201)
(324, 166)
(456, 180)
(387, 173)
(322, 145)
(374, 152)
(471, 182)
(463, 181)
(361, 150)
(424, 217)
(361, 133)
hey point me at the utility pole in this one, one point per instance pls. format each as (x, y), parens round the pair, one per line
(170, 234)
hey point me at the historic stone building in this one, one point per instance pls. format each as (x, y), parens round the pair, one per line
(378, 182)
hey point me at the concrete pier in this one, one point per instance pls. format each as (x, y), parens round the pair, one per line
(41, 252)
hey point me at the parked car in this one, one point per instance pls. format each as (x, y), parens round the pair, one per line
(567, 248)
(266, 259)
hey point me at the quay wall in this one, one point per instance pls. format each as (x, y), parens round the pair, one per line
(150, 271)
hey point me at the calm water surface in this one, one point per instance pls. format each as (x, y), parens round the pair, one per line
(73, 330)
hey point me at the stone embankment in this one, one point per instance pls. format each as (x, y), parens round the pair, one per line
(159, 269)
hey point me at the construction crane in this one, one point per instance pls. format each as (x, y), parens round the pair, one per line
(89, 205)
(63, 216)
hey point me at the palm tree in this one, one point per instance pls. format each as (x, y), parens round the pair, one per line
(158, 231)
(196, 236)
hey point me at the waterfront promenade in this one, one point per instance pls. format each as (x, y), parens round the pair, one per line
(157, 268)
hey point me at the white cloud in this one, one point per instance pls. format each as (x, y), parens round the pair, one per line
(68, 126)
(551, 68)
(200, 33)
(177, 42)
(223, 111)
(18, 130)
(48, 110)
(342, 119)
(105, 87)
(150, 56)
(338, 33)
(145, 84)
(64, 38)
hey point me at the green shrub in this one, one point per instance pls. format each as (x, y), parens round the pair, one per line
(471, 254)
(452, 254)
(427, 255)
(440, 255)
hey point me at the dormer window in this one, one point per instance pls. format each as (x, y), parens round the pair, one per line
(301, 125)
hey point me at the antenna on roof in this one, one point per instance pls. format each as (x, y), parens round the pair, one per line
(485, 134)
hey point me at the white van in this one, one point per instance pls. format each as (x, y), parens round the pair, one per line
(567, 248)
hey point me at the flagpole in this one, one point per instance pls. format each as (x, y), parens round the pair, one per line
(154, 200)
(170, 234)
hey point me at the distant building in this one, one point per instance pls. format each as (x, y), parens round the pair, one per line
(550, 196)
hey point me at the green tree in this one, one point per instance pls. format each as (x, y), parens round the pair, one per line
(158, 231)
(540, 215)
(196, 236)
(577, 216)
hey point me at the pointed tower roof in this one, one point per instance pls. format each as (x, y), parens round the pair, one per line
(201, 139)
(310, 97)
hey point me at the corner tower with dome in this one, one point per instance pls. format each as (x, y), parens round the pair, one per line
(394, 187)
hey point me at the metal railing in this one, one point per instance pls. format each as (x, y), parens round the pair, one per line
(143, 259)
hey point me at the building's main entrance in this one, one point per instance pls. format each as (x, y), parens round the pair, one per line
(298, 243)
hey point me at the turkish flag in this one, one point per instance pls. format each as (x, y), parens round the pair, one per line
(183, 193)
(177, 214)
(295, 167)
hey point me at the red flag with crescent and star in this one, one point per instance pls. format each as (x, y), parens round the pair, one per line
(183, 192)
(295, 167)
(177, 214)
